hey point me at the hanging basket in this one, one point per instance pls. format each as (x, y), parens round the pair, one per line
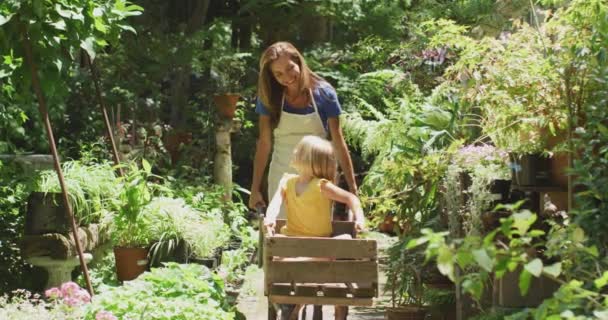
(226, 104)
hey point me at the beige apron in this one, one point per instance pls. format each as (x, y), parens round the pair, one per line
(290, 130)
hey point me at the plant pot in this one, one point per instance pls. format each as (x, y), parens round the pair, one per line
(130, 262)
(226, 104)
(405, 313)
(388, 224)
(530, 170)
(210, 262)
(502, 187)
(46, 213)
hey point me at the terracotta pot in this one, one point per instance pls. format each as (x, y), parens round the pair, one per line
(405, 313)
(226, 104)
(388, 224)
(130, 262)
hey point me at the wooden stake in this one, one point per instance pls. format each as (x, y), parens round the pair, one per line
(42, 108)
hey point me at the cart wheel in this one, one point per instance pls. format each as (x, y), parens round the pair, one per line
(317, 313)
(272, 312)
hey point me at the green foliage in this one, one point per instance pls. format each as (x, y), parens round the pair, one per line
(57, 32)
(228, 71)
(512, 248)
(405, 135)
(486, 256)
(591, 137)
(173, 292)
(15, 187)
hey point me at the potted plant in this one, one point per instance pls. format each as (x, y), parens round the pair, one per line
(91, 187)
(405, 282)
(487, 172)
(228, 72)
(130, 230)
(185, 234)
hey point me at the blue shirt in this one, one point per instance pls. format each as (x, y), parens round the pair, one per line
(325, 98)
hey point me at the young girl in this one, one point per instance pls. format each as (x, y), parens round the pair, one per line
(307, 196)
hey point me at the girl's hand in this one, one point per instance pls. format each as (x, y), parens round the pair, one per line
(256, 200)
(359, 226)
(269, 225)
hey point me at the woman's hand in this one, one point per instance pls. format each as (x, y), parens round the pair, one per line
(256, 200)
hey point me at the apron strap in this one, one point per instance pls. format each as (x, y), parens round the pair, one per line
(314, 105)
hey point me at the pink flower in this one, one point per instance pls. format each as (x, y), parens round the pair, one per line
(68, 289)
(71, 301)
(83, 296)
(53, 293)
(105, 315)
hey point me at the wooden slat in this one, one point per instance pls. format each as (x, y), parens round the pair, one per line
(321, 300)
(322, 271)
(335, 290)
(321, 247)
(338, 227)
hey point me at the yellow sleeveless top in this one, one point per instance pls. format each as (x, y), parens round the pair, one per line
(308, 214)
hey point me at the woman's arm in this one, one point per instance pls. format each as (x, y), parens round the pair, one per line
(342, 153)
(262, 153)
(336, 193)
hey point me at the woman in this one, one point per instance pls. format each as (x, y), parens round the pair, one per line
(292, 102)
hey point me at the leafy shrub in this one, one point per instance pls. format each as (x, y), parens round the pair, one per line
(174, 292)
(15, 186)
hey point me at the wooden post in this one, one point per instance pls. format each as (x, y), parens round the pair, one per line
(222, 165)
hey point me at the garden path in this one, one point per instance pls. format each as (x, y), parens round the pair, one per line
(254, 305)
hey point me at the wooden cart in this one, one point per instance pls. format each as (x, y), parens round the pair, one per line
(347, 275)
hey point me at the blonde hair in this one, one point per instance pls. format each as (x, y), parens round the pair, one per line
(314, 156)
(270, 92)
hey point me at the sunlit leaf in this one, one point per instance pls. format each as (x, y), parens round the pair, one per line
(602, 281)
(554, 270)
(484, 261)
(524, 282)
(5, 19)
(88, 46)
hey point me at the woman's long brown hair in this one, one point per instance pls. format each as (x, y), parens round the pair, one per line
(270, 92)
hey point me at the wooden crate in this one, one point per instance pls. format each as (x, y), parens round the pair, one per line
(321, 271)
